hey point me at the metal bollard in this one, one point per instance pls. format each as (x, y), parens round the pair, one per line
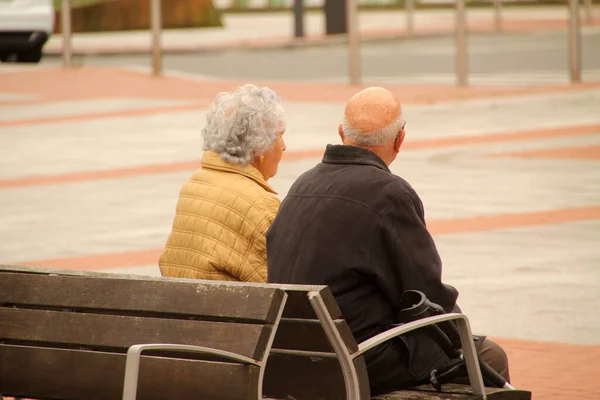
(353, 41)
(497, 15)
(574, 42)
(67, 49)
(588, 11)
(299, 18)
(410, 10)
(155, 26)
(461, 44)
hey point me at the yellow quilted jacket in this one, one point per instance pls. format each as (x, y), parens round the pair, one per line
(222, 217)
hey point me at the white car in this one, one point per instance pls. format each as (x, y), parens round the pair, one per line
(25, 26)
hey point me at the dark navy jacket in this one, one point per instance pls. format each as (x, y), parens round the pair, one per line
(351, 224)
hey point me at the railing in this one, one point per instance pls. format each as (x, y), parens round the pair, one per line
(289, 4)
(353, 30)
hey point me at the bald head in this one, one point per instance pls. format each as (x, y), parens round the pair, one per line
(372, 121)
(372, 109)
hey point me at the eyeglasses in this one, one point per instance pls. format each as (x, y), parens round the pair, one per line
(400, 132)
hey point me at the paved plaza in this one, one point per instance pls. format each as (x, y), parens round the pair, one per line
(268, 30)
(92, 159)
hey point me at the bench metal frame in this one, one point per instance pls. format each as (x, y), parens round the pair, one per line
(347, 360)
(134, 354)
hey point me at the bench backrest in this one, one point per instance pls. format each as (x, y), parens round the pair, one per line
(303, 364)
(65, 335)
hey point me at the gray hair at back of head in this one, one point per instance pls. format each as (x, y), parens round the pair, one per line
(242, 125)
(372, 139)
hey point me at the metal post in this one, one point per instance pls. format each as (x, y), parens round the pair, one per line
(353, 41)
(410, 9)
(67, 49)
(299, 18)
(574, 42)
(337, 343)
(155, 26)
(497, 15)
(461, 44)
(588, 11)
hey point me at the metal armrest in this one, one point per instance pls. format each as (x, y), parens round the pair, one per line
(134, 354)
(466, 339)
(402, 329)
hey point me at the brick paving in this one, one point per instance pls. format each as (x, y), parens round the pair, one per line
(89, 177)
(561, 371)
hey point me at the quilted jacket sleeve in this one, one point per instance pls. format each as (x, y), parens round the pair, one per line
(254, 266)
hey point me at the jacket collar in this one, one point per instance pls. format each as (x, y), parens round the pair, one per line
(340, 154)
(211, 160)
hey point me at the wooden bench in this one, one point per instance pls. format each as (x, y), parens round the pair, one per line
(63, 332)
(315, 356)
(65, 335)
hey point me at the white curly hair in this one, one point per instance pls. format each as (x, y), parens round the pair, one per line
(243, 124)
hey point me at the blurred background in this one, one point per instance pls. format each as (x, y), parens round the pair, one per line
(101, 111)
(413, 41)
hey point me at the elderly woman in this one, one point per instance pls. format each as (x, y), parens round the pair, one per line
(226, 207)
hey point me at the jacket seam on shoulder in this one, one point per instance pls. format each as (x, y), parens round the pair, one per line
(197, 181)
(394, 202)
(265, 208)
(336, 198)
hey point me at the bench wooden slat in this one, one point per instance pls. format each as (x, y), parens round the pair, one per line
(101, 330)
(418, 395)
(453, 392)
(165, 295)
(77, 375)
(298, 306)
(308, 335)
(309, 375)
(309, 378)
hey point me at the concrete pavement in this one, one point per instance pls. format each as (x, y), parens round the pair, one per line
(276, 30)
(93, 159)
(515, 59)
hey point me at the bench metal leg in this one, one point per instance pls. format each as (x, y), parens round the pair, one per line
(263, 362)
(344, 357)
(470, 356)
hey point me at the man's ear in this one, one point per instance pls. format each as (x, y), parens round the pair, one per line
(341, 132)
(398, 141)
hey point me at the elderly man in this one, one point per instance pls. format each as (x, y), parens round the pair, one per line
(351, 224)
